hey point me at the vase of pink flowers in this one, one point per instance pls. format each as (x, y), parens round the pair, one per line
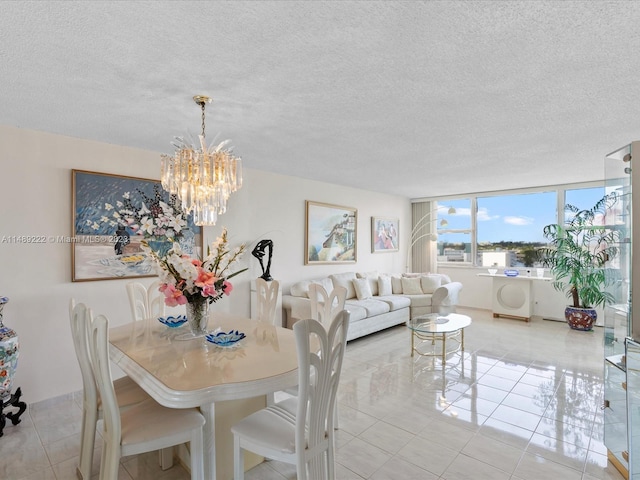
(197, 283)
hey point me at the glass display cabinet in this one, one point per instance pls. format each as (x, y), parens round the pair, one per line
(621, 352)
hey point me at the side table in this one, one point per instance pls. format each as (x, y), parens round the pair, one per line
(512, 296)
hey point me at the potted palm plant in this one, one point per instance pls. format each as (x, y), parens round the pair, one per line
(576, 256)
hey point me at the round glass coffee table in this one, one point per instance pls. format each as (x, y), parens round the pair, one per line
(434, 327)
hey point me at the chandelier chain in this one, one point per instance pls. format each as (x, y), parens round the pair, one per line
(202, 105)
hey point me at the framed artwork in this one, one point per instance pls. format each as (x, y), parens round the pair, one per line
(330, 235)
(112, 214)
(384, 234)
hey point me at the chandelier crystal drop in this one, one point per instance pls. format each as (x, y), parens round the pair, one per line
(202, 177)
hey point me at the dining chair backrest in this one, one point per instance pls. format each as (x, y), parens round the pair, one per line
(99, 350)
(325, 306)
(320, 354)
(78, 317)
(267, 298)
(145, 302)
(78, 314)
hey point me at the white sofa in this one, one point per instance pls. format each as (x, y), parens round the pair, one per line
(377, 301)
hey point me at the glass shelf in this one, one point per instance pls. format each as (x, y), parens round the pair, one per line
(621, 353)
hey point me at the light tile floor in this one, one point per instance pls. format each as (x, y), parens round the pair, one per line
(522, 403)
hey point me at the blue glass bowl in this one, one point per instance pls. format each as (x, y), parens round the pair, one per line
(173, 322)
(224, 339)
(511, 273)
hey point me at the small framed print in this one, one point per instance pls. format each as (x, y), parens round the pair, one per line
(384, 234)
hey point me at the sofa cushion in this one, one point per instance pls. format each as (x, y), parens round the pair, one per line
(395, 302)
(345, 280)
(396, 284)
(356, 313)
(423, 300)
(362, 288)
(372, 306)
(384, 285)
(429, 283)
(373, 280)
(411, 286)
(444, 278)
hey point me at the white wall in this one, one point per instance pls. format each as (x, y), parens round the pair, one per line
(35, 194)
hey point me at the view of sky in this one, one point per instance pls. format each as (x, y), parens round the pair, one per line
(511, 217)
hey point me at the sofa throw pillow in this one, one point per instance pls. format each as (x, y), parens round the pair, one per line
(411, 286)
(373, 281)
(362, 288)
(396, 284)
(430, 283)
(411, 275)
(325, 283)
(345, 280)
(384, 285)
(300, 289)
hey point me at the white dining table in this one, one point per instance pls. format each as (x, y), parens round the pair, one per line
(226, 384)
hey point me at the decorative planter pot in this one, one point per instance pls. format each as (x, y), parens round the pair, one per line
(580, 318)
(9, 350)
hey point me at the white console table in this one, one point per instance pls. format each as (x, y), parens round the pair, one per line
(511, 296)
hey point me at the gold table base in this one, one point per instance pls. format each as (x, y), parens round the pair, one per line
(433, 337)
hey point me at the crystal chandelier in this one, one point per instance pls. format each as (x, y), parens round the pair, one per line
(202, 177)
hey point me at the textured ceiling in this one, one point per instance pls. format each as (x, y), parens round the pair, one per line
(409, 98)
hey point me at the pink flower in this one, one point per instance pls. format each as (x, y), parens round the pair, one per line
(227, 288)
(196, 262)
(204, 278)
(209, 291)
(173, 297)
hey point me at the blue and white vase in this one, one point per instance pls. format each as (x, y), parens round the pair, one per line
(9, 350)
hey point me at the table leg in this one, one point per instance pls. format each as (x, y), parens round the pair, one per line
(462, 333)
(412, 335)
(209, 433)
(444, 348)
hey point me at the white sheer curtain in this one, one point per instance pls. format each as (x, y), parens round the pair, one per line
(421, 251)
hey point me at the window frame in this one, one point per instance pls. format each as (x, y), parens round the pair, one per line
(473, 232)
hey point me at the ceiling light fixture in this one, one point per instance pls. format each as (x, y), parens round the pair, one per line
(202, 178)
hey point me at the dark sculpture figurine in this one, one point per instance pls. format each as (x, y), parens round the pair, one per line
(258, 252)
(122, 239)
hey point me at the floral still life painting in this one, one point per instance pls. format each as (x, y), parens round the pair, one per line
(112, 214)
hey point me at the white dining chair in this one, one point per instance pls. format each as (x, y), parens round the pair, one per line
(300, 430)
(267, 298)
(144, 427)
(324, 308)
(127, 391)
(145, 302)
